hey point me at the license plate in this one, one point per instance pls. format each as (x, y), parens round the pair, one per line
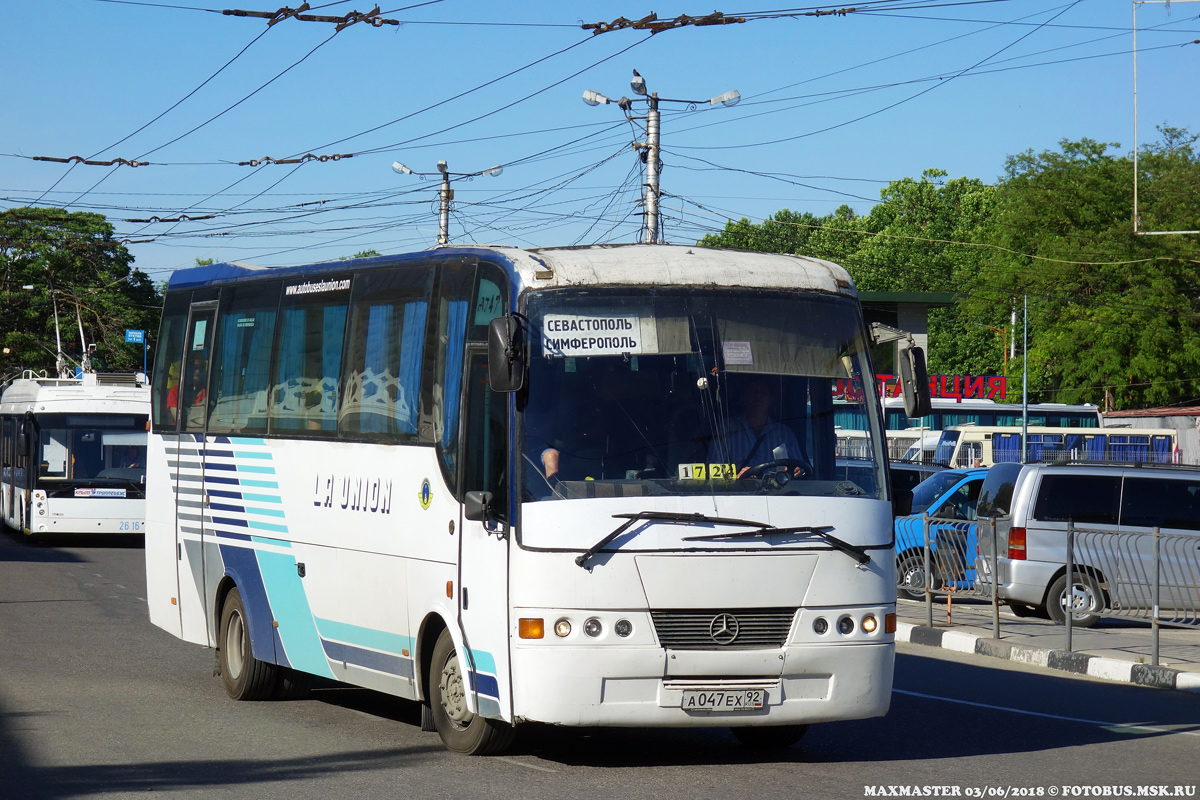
(723, 700)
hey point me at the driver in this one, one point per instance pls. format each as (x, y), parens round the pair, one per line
(753, 437)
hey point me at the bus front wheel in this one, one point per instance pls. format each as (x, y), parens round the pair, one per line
(244, 676)
(460, 730)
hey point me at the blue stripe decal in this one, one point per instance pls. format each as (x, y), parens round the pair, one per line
(258, 498)
(265, 526)
(266, 512)
(364, 637)
(226, 507)
(297, 629)
(237, 523)
(219, 479)
(222, 493)
(244, 440)
(209, 451)
(240, 563)
(260, 484)
(214, 465)
(263, 470)
(485, 684)
(484, 661)
(251, 454)
(380, 662)
(275, 542)
(241, 537)
(221, 439)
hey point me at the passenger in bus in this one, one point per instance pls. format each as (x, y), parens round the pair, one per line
(173, 392)
(753, 437)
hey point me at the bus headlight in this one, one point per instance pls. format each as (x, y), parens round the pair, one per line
(562, 628)
(845, 625)
(623, 628)
(593, 627)
(869, 623)
(820, 626)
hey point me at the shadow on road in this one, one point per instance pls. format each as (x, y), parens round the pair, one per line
(50, 548)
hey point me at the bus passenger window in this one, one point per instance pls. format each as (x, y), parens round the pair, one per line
(308, 356)
(382, 380)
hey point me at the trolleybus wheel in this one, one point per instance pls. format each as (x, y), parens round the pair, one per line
(461, 731)
(244, 676)
(770, 737)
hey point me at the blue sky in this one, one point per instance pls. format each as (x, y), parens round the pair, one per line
(833, 107)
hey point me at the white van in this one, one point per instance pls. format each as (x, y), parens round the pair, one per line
(1040, 500)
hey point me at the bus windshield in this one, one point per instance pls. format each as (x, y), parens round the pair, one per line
(676, 392)
(96, 449)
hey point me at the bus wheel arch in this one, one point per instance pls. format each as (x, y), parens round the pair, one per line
(460, 730)
(243, 676)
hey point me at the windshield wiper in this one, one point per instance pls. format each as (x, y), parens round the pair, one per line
(657, 516)
(859, 554)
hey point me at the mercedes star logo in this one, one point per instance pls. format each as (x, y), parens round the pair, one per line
(723, 629)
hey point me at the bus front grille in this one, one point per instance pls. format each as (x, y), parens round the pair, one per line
(718, 629)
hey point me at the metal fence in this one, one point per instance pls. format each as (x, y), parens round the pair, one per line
(1142, 575)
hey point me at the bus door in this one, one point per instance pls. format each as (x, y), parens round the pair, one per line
(483, 558)
(470, 296)
(191, 488)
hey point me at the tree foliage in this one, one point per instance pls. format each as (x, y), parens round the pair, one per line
(53, 259)
(1114, 316)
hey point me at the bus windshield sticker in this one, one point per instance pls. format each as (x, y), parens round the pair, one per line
(738, 353)
(487, 305)
(99, 492)
(598, 335)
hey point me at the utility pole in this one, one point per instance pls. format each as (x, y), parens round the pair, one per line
(445, 193)
(651, 148)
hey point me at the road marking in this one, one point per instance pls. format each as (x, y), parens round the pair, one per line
(538, 767)
(1129, 725)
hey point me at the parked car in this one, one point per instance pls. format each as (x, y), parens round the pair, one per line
(950, 497)
(906, 476)
(1043, 498)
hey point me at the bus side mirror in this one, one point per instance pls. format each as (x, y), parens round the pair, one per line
(22, 441)
(914, 383)
(477, 506)
(506, 354)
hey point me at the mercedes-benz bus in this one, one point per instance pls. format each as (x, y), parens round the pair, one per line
(589, 486)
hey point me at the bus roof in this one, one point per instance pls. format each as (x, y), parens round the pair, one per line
(594, 265)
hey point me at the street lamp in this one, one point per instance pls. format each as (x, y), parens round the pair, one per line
(446, 194)
(651, 145)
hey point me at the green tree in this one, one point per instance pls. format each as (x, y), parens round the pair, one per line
(1113, 315)
(53, 259)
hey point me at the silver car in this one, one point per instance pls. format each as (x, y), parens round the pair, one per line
(1034, 504)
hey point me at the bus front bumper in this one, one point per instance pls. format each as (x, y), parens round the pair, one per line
(636, 686)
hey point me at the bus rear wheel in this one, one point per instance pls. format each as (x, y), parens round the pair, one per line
(243, 675)
(460, 730)
(770, 737)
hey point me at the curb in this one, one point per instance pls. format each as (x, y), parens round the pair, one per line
(1109, 669)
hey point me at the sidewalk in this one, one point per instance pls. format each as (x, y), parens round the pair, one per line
(1117, 649)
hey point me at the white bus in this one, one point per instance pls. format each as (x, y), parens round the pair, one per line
(507, 484)
(983, 446)
(73, 454)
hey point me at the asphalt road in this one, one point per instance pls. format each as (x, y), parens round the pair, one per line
(97, 702)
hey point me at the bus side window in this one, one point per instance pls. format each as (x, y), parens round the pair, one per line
(382, 378)
(242, 360)
(168, 361)
(308, 359)
(453, 319)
